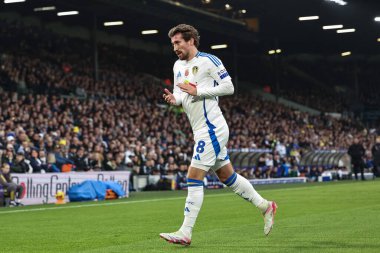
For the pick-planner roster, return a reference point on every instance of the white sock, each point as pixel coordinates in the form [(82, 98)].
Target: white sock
[(242, 187), (193, 205)]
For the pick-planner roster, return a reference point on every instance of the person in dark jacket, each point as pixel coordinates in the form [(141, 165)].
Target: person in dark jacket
[(36, 163), (13, 190), (20, 165), (81, 161), (376, 157), (72, 152), (357, 152)]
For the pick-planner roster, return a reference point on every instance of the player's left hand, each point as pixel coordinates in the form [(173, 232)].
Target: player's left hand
[(188, 88)]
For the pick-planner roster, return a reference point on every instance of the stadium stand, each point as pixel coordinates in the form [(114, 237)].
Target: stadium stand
[(55, 116), (333, 85)]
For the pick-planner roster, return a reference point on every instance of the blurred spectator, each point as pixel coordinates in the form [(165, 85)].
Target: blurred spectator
[(20, 165), (294, 171), (285, 168), (171, 166), (72, 152), (281, 149), (13, 190), (109, 163), (376, 157), (148, 168), (81, 161), (8, 155), (313, 174), (52, 163), (357, 152), (37, 164)]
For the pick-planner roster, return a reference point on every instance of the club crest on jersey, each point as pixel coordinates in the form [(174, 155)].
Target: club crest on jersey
[(187, 72), (195, 70), (179, 74)]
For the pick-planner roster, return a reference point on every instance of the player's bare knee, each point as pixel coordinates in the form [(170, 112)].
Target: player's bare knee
[(195, 173), (224, 172)]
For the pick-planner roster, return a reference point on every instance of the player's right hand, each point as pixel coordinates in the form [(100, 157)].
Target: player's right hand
[(169, 97)]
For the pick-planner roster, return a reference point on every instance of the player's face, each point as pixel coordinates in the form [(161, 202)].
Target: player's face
[(181, 47)]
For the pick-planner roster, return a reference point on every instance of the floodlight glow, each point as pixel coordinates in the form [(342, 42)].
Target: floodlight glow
[(67, 13), (13, 1), (340, 2), (346, 53), (351, 30), (271, 51), (377, 19), (278, 51), (113, 23), (329, 27), (228, 7), (149, 32), (219, 46), (308, 18), (47, 8)]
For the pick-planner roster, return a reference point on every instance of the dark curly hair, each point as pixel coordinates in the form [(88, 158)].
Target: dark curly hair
[(187, 32)]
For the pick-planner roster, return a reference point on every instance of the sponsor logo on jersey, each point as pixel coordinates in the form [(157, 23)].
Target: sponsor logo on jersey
[(195, 70), (179, 74)]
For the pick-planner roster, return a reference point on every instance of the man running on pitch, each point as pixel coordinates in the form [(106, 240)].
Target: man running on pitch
[(199, 79)]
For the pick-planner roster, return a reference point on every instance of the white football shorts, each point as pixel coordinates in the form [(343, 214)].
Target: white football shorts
[(210, 151)]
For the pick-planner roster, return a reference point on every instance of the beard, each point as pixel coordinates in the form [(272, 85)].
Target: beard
[(183, 56)]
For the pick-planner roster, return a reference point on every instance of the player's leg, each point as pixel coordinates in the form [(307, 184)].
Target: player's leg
[(11, 189), (19, 190), (194, 199), (242, 187), (193, 205), (203, 159)]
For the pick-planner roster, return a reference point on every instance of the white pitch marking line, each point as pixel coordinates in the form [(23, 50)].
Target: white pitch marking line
[(103, 204), (133, 201)]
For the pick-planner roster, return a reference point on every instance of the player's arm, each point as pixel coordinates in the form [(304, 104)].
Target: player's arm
[(221, 76), (177, 92), (175, 97)]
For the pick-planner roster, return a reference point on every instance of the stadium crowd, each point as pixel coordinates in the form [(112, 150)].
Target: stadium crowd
[(343, 86), (54, 116)]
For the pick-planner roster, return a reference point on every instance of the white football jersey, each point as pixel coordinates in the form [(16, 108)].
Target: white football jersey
[(208, 74)]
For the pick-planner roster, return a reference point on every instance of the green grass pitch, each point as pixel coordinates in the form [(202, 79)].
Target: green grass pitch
[(326, 217)]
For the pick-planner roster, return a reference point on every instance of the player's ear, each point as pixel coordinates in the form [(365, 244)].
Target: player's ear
[(191, 42)]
